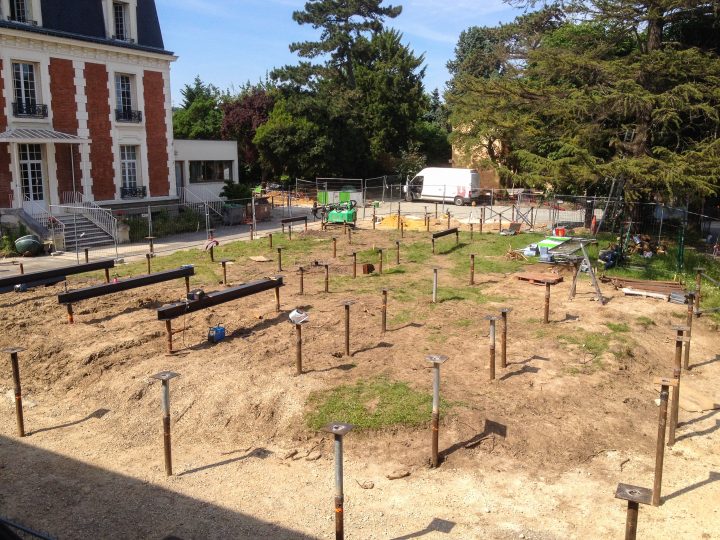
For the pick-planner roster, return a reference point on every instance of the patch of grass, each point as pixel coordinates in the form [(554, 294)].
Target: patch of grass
[(618, 327), (592, 342), (370, 404), (463, 323), (679, 315), (470, 294), (402, 317), (645, 322)]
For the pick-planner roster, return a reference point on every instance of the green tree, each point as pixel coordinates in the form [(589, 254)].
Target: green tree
[(342, 22), (606, 97), (200, 116)]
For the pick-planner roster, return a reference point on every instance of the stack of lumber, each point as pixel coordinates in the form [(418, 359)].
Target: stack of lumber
[(644, 287)]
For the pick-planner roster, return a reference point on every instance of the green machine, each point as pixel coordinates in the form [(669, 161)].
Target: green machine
[(343, 212)]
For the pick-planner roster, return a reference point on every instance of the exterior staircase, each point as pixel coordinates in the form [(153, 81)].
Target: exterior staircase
[(80, 229)]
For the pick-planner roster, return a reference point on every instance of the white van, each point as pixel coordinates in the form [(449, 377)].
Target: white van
[(444, 184)]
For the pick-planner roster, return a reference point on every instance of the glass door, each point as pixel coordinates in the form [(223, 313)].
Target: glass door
[(31, 172)]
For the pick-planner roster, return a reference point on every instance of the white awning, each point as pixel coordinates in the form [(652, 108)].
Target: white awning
[(39, 136)]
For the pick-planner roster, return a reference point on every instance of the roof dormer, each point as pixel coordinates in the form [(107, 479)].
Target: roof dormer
[(22, 11), (121, 20)]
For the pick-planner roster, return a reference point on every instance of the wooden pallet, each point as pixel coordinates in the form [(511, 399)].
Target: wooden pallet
[(540, 279)]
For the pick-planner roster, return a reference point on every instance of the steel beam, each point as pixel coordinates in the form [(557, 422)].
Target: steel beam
[(172, 311), (32, 277), (124, 285)]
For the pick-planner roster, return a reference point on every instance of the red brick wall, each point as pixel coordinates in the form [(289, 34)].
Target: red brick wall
[(101, 151), (5, 179), (64, 108), (156, 131)]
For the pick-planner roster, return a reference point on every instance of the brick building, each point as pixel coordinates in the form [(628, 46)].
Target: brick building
[(85, 105)]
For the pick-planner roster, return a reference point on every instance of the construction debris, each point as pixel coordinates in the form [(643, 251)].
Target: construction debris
[(646, 288)]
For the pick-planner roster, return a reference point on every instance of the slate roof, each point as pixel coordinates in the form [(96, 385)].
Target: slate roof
[(83, 20)]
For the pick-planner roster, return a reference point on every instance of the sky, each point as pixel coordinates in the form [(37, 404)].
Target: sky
[(230, 42)]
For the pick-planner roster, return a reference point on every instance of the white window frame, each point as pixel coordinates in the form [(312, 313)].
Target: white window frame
[(129, 167), (130, 12), (27, 94), (120, 104), (33, 12)]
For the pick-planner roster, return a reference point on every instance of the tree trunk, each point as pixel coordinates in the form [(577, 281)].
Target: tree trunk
[(655, 27)]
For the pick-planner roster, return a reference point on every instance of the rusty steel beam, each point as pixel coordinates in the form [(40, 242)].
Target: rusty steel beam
[(172, 311)]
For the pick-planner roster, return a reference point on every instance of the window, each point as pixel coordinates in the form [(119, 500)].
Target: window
[(120, 21), (31, 171), (124, 112), (20, 11), (210, 171), (24, 91), (128, 165)]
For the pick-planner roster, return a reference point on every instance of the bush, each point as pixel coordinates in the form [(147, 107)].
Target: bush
[(164, 224), (7, 242)]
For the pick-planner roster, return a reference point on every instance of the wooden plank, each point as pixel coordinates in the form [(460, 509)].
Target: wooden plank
[(645, 294), (552, 279)]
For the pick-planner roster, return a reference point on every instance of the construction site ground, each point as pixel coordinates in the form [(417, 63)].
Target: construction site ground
[(535, 454)]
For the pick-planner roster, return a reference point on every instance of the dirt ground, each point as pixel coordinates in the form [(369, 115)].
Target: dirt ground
[(535, 454)]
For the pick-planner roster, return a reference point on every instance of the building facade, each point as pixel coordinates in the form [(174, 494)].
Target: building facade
[(85, 103)]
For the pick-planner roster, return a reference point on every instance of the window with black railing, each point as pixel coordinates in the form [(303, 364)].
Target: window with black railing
[(134, 192), (29, 110), (25, 93), (128, 115)]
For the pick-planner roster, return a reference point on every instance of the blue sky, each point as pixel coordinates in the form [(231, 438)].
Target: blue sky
[(230, 42)]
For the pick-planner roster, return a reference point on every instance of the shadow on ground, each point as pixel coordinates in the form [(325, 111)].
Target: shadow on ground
[(70, 499)]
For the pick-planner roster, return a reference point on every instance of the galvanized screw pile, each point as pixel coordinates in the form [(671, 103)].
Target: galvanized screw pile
[(435, 285), (690, 302), (279, 251), (334, 242), (436, 360), (660, 447), (298, 349), (165, 377), (147, 257), (380, 269), (546, 318), (13, 352), (252, 232), (384, 310), (354, 256), (212, 254), (373, 218), (503, 337), (397, 252), (472, 269), (492, 320), (327, 278), (302, 280), (338, 430), (675, 410), (270, 240), (349, 235)]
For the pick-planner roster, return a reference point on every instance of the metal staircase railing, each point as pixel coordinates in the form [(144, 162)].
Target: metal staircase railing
[(75, 202), (54, 227)]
